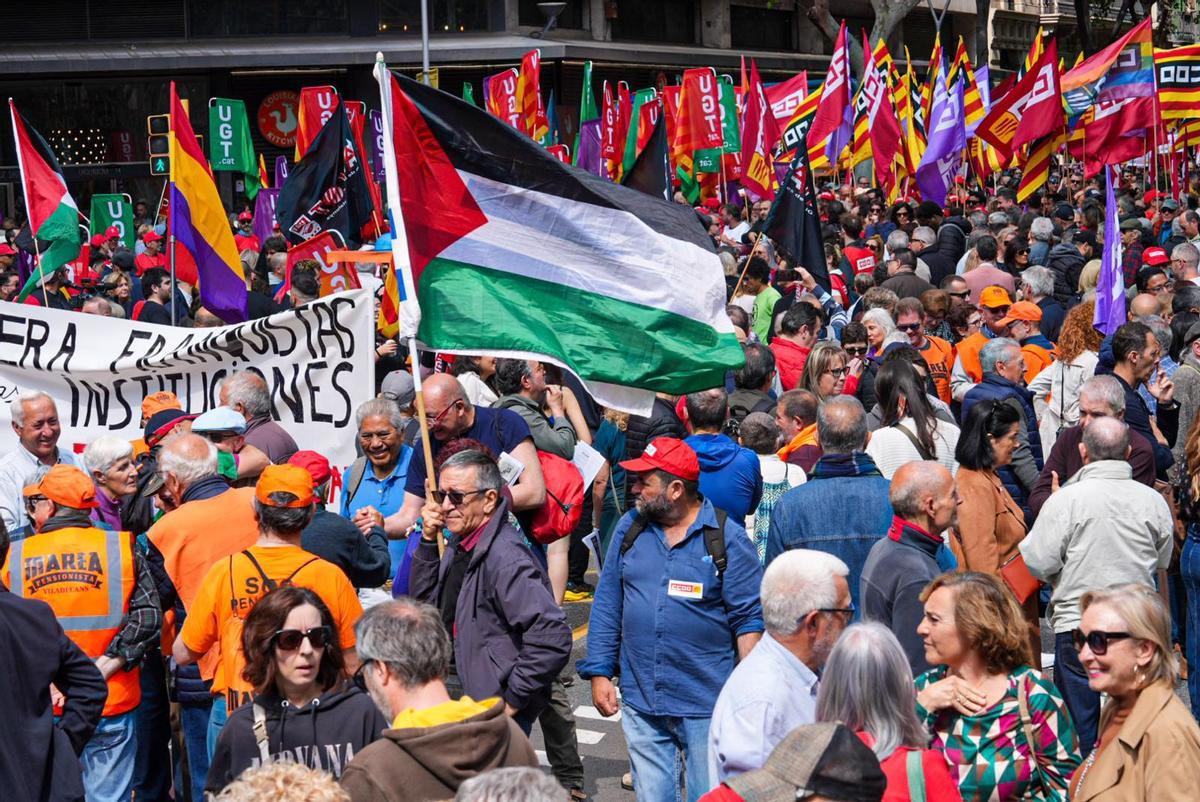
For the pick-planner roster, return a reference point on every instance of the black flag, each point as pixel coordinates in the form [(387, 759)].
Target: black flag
[(327, 189), (651, 172), (793, 223)]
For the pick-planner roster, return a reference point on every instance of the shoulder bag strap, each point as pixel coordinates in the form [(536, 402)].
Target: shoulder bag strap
[(912, 438), (260, 733), (1027, 724), (916, 776), (357, 471)]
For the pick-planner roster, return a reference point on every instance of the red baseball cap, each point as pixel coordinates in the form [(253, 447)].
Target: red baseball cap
[(668, 454), (1155, 257), (152, 236), (245, 216), (97, 240), (112, 232), (314, 463)]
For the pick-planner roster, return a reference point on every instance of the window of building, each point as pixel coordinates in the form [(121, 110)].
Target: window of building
[(571, 17), (446, 16), (224, 18), (653, 20), (762, 28)]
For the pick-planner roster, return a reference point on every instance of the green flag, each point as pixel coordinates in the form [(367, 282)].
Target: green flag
[(709, 160), (587, 109), (469, 94), (230, 148), (113, 210)]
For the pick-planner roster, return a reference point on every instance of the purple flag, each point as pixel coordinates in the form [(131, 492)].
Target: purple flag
[(264, 213), (375, 145), (947, 138), (589, 148), (1110, 289), (281, 171)]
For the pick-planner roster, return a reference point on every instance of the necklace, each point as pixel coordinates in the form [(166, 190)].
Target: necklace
[(1087, 765)]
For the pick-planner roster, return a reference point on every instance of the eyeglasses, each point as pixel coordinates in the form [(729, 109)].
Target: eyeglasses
[(837, 373), (456, 498), (32, 502), (436, 419), (964, 295), (846, 611), (289, 640), (998, 311), (1096, 640), (908, 326), (855, 350), (359, 679)]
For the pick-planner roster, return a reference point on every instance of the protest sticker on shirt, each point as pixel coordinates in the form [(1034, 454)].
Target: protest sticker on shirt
[(316, 361), (685, 590)]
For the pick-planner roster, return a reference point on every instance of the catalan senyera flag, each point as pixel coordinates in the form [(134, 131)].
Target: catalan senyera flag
[(931, 75), (534, 121), (263, 177), (1177, 73), (199, 224), (973, 106), (1036, 169), (53, 215), (388, 322)]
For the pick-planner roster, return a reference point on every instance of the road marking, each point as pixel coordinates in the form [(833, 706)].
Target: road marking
[(542, 759), (588, 711), (589, 737), (579, 632)]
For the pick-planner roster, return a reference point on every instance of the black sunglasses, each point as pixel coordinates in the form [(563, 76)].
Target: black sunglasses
[(289, 640), (1096, 640), (963, 294), (856, 350), (1023, 252), (908, 326), (456, 498)]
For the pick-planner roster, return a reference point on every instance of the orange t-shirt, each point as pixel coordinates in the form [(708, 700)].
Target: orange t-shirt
[(939, 356), (231, 589), (1037, 358)]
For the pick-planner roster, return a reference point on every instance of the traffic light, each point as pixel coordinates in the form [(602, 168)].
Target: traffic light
[(158, 144)]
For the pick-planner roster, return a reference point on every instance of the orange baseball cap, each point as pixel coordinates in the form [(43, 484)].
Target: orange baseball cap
[(65, 485), (157, 402), (1021, 310), (285, 478), (994, 296)]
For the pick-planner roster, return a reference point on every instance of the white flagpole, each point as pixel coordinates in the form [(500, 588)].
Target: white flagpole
[(410, 311)]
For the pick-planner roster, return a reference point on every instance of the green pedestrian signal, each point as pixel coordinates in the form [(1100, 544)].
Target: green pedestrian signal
[(160, 165)]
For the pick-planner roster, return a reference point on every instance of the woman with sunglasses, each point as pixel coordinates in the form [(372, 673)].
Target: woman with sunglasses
[(1003, 728), (1016, 256), (309, 712), (902, 216), (1149, 747)]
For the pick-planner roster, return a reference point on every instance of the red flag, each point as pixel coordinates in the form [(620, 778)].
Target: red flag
[(882, 125), (787, 96), (834, 114), (500, 97), (610, 125), (760, 134), (317, 105), (529, 96), (699, 122), (1032, 110)]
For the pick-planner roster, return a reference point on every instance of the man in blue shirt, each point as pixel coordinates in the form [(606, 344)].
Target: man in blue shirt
[(670, 622)]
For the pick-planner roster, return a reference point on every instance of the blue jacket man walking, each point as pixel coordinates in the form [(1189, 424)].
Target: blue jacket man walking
[(730, 476)]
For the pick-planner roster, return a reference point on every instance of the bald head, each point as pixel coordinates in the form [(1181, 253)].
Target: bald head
[(446, 407), (96, 306), (185, 459), (842, 425), (1143, 304), (441, 390), (1105, 439), (923, 493)]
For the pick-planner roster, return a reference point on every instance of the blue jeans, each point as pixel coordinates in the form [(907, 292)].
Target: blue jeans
[(1072, 682), (194, 721), (216, 723), (152, 767), (1189, 567), (666, 752), (108, 759)]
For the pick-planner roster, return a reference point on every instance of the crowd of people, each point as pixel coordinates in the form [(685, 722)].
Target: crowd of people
[(937, 538)]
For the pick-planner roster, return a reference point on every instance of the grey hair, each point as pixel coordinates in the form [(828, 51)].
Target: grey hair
[(867, 685), (910, 487), (408, 637), (249, 390), (897, 240), (487, 474), (1107, 389), (1041, 229), (796, 583), (512, 784), (842, 425), (925, 234), (759, 433), (1106, 438), (996, 350), (1187, 252), (1039, 279), (17, 407), (881, 318), (381, 407), (188, 470), (1161, 329), (105, 451), (282, 520)]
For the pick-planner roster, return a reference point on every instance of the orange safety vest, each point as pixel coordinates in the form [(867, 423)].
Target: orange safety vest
[(86, 575)]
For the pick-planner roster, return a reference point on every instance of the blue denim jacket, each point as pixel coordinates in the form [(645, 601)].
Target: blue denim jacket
[(672, 650), (840, 515)]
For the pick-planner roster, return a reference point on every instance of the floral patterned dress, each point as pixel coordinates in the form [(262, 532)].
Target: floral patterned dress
[(989, 753)]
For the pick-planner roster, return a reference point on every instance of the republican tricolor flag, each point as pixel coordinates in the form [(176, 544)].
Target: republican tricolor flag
[(511, 252), (53, 215)]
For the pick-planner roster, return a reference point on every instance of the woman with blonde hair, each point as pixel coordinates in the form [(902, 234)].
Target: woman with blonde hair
[(1056, 389), (825, 372), (1089, 277), (1003, 727), (1149, 746)]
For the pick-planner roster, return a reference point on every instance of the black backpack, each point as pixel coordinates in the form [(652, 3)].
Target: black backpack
[(714, 540)]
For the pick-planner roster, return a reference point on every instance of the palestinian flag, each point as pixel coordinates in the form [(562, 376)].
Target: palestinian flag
[(53, 216), (513, 252)]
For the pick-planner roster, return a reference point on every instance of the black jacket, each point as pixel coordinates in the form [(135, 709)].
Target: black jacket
[(326, 734), (1066, 263), (39, 758), (1053, 315), (942, 257), (896, 572), (365, 560)]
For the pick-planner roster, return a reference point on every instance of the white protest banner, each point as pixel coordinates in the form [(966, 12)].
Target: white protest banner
[(317, 361)]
